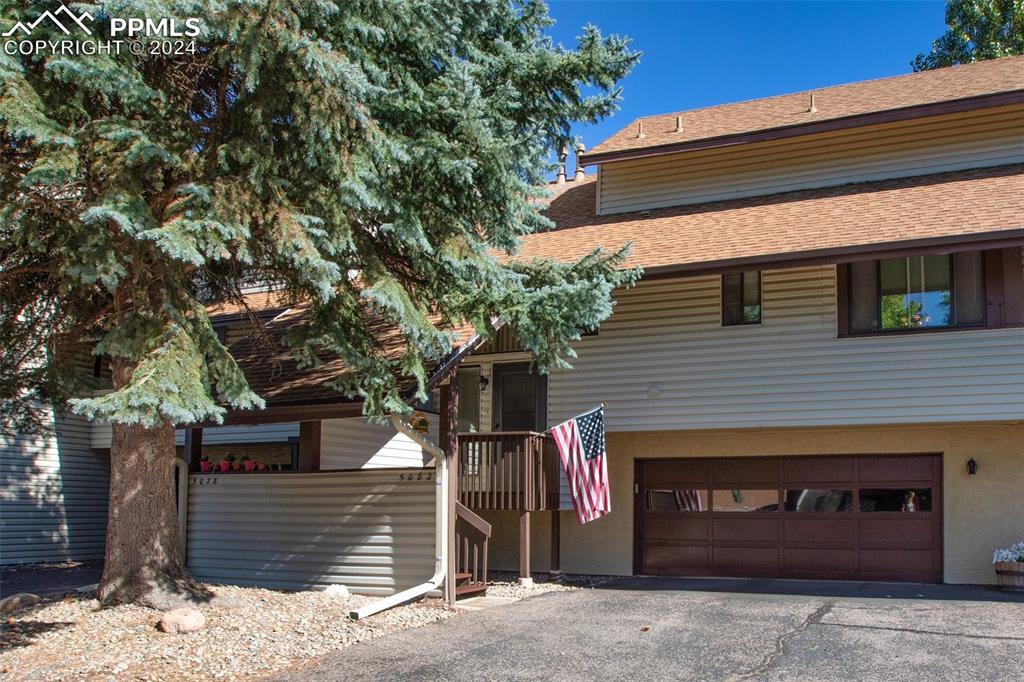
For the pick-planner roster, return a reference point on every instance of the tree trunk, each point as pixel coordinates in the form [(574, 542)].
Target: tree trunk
[(143, 561)]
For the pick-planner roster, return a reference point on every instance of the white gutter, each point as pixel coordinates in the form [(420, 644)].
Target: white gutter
[(440, 530)]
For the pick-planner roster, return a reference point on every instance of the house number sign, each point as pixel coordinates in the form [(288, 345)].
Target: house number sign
[(421, 476), (203, 480)]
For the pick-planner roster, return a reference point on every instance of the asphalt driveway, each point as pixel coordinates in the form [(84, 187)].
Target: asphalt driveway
[(708, 630)]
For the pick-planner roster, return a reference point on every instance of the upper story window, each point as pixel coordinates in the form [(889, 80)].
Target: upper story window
[(741, 298), (916, 292)]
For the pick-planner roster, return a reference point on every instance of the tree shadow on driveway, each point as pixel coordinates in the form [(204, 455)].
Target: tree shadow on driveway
[(817, 588)]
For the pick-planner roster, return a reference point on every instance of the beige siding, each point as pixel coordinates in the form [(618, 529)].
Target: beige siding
[(372, 531), (261, 433), (359, 444), (53, 496), (981, 138), (663, 361)]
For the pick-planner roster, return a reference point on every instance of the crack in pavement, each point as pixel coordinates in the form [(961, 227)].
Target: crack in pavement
[(916, 631), (772, 659)]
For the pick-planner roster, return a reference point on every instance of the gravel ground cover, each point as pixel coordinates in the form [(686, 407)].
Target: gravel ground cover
[(249, 633)]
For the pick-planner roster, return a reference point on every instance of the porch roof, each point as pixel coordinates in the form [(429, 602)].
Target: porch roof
[(981, 207), (294, 393)]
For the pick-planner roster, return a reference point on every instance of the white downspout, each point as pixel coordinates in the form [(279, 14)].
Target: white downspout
[(440, 530)]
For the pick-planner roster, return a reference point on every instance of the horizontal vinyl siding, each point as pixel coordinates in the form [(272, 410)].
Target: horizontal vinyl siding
[(665, 337), (261, 433), (53, 497), (971, 140), (358, 444), (372, 531)]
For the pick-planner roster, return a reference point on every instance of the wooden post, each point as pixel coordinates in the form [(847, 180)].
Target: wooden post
[(449, 394), (309, 446), (193, 447), (524, 549), (555, 568)]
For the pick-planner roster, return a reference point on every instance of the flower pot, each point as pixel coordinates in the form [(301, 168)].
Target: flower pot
[(224, 465), (1010, 575), (206, 467), (261, 467), (236, 466), (250, 465)]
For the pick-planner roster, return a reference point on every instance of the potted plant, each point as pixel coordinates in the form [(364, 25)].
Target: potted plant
[(205, 465), (227, 463), (419, 422), (1009, 565), (261, 466), (248, 462)]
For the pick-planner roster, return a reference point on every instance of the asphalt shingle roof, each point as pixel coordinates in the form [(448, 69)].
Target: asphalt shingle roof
[(939, 206), (839, 101)]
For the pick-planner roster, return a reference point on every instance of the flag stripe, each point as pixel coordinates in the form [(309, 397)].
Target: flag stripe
[(580, 442)]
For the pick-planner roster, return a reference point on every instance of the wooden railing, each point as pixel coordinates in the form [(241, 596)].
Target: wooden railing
[(472, 535), (508, 470)]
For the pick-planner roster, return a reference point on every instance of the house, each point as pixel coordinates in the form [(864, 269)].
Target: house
[(820, 375)]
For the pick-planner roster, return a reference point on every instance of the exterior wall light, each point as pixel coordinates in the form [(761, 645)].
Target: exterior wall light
[(972, 467), (483, 382)]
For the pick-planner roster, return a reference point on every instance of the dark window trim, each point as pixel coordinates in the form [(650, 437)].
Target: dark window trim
[(760, 299), (1002, 287)]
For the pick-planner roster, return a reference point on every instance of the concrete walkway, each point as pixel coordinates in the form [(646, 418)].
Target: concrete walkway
[(654, 629)]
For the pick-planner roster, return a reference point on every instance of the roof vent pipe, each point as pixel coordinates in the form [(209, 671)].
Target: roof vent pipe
[(640, 129), (813, 109), (580, 148), (560, 179), (679, 124)]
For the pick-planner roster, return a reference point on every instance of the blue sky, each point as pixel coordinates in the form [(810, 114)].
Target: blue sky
[(698, 54)]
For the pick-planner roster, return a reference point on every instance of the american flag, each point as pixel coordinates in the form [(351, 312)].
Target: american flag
[(581, 443)]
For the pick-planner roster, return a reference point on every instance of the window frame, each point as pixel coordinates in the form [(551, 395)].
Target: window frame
[(760, 298), (989, 282)]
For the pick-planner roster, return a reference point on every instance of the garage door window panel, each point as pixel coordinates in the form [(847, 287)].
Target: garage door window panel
[(818, 500), (677, 500), (896, 500), (745, 500)]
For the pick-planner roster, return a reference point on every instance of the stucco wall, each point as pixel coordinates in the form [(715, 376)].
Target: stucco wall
[(980, 512)]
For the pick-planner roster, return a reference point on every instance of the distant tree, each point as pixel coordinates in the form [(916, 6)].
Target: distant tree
[(978, 30), (302, 142)]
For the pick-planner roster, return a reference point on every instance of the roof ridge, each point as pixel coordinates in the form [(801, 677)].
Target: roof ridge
[(824, 88)]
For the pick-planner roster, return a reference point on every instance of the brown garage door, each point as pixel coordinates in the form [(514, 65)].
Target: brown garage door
[(865, 517)]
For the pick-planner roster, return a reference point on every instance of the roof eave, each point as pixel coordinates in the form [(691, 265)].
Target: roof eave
[(800, 129), (980, 241)]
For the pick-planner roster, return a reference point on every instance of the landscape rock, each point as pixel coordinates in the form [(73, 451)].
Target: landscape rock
[(339, 591), (182, 620), (17, 602)]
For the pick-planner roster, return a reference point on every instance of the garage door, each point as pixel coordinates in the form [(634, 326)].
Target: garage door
[(844, 518)]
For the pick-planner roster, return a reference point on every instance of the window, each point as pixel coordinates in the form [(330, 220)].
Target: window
[(896, 500), (749, 500), (678, 499), (741, 298), (818, 500), (469, 399), (918, 292)]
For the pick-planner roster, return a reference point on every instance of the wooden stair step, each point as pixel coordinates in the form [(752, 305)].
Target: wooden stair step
[(463, 576), (472, 588)]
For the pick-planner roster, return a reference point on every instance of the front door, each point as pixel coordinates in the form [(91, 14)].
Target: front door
[(520, 398)]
